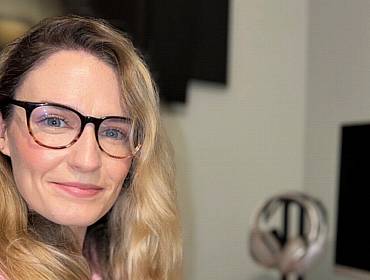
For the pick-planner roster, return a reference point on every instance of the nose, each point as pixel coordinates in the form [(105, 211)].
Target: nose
[(85, 154)]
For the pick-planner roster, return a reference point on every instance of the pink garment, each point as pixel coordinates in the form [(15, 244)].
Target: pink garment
[(94, 276)]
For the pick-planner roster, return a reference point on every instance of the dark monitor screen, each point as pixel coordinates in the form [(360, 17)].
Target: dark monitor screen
[(353, 231)]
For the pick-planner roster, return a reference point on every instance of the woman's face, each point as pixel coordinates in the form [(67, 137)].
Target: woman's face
[(77, 185)]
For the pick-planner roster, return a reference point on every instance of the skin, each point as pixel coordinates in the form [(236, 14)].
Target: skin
[(81, 81)]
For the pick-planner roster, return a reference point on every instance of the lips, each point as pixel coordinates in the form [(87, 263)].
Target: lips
[(78, 190)]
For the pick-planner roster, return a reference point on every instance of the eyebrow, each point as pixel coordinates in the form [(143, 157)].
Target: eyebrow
[(72, 107)]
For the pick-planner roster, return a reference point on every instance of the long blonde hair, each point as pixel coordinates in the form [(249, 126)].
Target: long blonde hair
[(139, 238)]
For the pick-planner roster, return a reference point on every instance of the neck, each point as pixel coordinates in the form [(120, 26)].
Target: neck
[(79, 233)]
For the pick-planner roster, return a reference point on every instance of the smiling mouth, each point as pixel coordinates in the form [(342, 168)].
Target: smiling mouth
[(77, 189)]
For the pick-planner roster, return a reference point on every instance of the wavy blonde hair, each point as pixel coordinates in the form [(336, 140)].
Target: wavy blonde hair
[(139, 238)]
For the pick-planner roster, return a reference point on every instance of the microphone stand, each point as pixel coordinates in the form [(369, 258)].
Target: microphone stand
[(285, 237)]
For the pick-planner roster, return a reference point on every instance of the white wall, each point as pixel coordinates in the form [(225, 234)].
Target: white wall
[(237, 145), (337, 92)]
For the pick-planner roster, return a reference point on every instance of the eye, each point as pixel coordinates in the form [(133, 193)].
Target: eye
[(114, 134), (54, 122)]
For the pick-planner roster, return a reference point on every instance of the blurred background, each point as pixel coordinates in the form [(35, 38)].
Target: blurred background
[(292, 72)]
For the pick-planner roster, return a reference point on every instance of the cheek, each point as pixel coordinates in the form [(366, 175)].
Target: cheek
[(29, 160), (34, 158), (118, 170)]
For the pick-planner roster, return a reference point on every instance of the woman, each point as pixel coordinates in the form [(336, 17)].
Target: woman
[(86, 179)]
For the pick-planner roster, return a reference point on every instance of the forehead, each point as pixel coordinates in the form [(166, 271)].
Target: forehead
[(76, 79)]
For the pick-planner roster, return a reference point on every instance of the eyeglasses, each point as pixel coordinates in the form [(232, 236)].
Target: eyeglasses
[(57, 126)]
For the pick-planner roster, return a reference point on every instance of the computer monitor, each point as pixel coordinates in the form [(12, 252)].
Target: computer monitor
[(352, 248)]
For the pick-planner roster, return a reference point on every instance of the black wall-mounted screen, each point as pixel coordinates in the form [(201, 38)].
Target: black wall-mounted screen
[(180, 39), (353, 231)]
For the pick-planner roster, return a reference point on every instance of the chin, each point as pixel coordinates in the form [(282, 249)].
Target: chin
[(73, 220)]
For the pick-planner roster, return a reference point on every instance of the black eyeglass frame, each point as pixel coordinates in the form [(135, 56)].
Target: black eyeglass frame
[(30, 106)]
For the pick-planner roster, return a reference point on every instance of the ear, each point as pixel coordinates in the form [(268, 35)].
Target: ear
[(4, 147)]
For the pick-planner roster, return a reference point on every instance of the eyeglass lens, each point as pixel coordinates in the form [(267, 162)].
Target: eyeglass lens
[(57, 127)]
